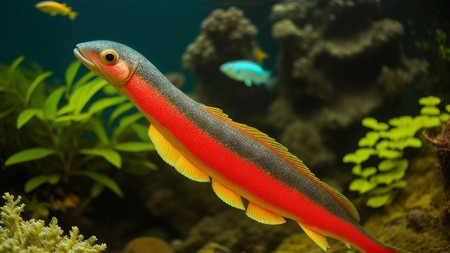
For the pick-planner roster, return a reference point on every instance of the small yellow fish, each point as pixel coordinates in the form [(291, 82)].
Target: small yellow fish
[(54, 8), (259, 55)]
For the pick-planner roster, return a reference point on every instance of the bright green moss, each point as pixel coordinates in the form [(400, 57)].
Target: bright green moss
[(379, 178)]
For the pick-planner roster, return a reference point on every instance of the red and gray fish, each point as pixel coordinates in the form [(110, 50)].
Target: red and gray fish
[(239, 161)]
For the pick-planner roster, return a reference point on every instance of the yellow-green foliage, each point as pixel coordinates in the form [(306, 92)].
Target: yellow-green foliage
[(80, 129), (384, 146), (33, 236)]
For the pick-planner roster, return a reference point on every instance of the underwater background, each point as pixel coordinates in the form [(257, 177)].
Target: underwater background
[(359, 91)]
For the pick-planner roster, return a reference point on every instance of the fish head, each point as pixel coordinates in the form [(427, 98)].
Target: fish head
[(229, 70), (112, 61), (226, 68)]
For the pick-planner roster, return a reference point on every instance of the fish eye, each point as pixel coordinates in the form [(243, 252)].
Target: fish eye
[(109, 56)]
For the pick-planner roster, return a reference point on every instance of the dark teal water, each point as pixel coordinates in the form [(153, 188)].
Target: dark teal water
[(159, 29)]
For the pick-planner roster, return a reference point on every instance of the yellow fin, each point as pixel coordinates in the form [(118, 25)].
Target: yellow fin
[(319, 239), (263, 215), (228, 196), (283, 152), (167, 152), (173, 157), (189, 170)]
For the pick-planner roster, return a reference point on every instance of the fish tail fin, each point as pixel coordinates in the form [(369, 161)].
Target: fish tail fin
[(270, 83), (73, 15)]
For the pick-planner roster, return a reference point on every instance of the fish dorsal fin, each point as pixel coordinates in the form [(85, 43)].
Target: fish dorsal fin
[(263, 215), (292, 159), (227, 195), (174, 157), (318, 238)]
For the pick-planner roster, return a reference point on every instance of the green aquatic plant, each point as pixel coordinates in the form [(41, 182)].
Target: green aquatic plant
[(81, 129), (28, 236), (443, 45), (379, 161)]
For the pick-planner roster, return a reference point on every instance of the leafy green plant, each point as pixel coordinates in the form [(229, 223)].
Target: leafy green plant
[(379, 161), (443, 45), (81, 129), (29, 236)]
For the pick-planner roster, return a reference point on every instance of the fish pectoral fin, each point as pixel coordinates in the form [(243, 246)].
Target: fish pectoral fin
[(167, 152), (318, 238), (248, 83), (227, 195), (263, 215), (174, 157), (189, 170)]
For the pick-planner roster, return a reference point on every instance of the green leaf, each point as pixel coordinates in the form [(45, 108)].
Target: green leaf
[(35, 83), (389, 164), (96, 189), (390, 176), (357, 169), (447, 108), (85, 93), (361, 185), (65, 109), (150, 165), (410, 142), (444, 117), (79, 117), (121, 109), (14, 65), (141, 131), (430, 110), (51, 103), (367, 172), (134, 146), (108, 154), (110, 90), (389, 154), (380, 200), (372, 123), (83, 80), (125, 122), (99, 129), (388, 188), (359, 155), (104, 103), (6, 112), (429, 101), (71, 72), (395, 134), (402, 121), (103, 180), (27, 155), (25, 116), (369, 140), (37, 181)]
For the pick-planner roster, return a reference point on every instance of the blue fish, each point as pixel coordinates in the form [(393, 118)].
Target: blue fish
[(246, 71)]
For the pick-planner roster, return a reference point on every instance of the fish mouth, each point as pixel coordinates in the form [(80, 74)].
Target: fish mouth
[(78, 52)]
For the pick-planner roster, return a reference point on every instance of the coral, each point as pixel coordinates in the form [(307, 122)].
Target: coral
[(18, 235), (387, 142), (225, 35), (336, 51)]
